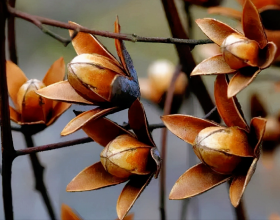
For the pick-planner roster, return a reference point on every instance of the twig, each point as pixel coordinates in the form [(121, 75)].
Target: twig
[(38, 171), (186, 59), (240, 211), (38, 21), (11, 35), (8, 151), (166, 111)]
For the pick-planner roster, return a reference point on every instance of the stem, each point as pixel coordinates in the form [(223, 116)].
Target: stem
[(12, 35), (8, 151), (240, 211), (166, 111), (38, 21), (186, 58), (38, 171)]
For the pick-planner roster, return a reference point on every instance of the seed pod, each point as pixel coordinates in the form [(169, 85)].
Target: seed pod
[(239, 51), (32, 106), (213, 146), (91, 76), (125, 155)]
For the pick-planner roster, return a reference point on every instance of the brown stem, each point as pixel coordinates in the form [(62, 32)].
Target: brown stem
[(38, 21), (166, 111), (12, 35), (38, 171), (8, 151), (186, 58), (240, 211)]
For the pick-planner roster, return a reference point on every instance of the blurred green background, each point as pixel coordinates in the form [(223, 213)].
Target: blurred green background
[(37, 51)]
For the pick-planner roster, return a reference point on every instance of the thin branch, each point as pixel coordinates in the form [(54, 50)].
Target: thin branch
[(8, 151), (186, 58), (38, 171), (166, 111), (38, 21), (12, 35)]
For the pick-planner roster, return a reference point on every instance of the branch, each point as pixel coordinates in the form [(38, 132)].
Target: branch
[(12, 35), (38, 21)]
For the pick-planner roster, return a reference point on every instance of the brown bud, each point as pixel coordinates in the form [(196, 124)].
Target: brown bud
[(214, 146), (32, 106), (91, 76), (125, 155), (239, 51)]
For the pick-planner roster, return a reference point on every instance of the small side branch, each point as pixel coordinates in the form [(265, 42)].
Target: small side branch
[(12, 35)]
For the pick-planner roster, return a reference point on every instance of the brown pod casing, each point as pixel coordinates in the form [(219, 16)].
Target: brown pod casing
[(125, 156), (32, 106), (213, 146)]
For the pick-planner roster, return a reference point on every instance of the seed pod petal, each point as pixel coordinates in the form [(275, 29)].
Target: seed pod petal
[(239, 184), (268, 55), (14, 115), (62, 91), (55, 73), (87, 43), (196, 180), (212, 65), (58, 110), (252, 25), (93, 177), (228, 108), (186, 127), (68, 214), (104, 131), (15, 79), (79, 121), (217, 31), (257, 107), (130, 193), (257, 130), (241, 80)]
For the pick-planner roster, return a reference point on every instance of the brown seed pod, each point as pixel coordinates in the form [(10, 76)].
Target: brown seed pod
[(125, 156)]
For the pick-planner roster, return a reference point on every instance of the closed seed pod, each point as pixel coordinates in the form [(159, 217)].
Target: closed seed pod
[(125, 156), (32, 106), (213, 147)]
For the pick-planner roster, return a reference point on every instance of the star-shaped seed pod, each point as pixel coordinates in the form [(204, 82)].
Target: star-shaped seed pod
[(242, 55), (227, 153), (154, 88), (126, 156), (29, 107), (96, 77), (69, 214), (271, 138)]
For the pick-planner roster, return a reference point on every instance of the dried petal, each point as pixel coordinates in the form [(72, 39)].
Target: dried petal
[(62, 91), (68, 214), (252, 25), (79, 121), (268, 55), (212, 65), (217, 31), (103, 131), (58, 110), (257, 130), (228, 107), (55, 73), (93, 177), (15, 79), (239, 184), (257, 108), (186, 127), (241, 80), (130, 193), (196, 180), (14, 115)]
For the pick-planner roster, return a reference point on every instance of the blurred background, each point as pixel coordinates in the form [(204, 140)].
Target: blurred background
[(37, 51)]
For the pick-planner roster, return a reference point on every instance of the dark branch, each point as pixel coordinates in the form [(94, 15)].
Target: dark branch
[(12, 35), (38, 21)]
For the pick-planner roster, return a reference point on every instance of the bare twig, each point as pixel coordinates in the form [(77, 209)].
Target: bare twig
[(11, 35), (8, 151), (38, 171), (166, 111), (38, 21)]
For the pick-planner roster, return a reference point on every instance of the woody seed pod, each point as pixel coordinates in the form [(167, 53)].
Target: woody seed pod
[(125, 155), (213, 146), (239, 51), (32, 106)]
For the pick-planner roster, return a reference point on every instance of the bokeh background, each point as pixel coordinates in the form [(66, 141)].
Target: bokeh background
[(37, 51)]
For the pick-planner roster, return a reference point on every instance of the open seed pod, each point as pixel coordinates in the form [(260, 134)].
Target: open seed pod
[(29, 107), (96, 77), (244, 55), (127, 156), (227, 153)]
